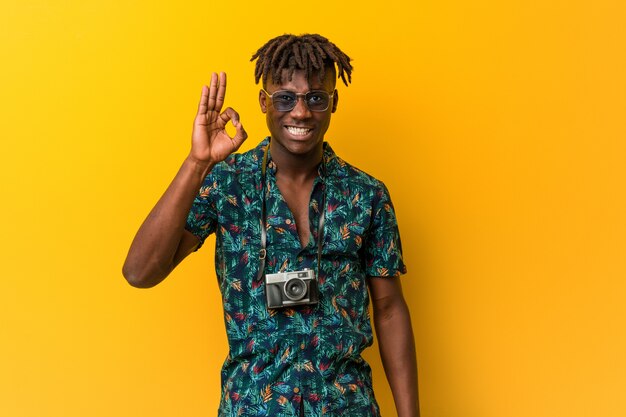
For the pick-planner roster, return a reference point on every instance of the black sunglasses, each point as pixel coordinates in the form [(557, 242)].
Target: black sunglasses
[(285, 100)]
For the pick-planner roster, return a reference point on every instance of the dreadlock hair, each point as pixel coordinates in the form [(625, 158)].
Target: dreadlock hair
[(311, 53)]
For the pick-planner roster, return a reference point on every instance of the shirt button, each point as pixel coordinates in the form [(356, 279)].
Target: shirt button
[(296, 390), (288, 221)]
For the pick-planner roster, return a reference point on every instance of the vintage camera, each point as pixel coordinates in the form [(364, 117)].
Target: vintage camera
[(287, 289)]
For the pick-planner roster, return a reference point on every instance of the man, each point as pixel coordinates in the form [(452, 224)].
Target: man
[(288, 208)]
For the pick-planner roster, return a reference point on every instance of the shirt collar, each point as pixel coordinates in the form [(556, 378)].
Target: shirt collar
[(331, 163)]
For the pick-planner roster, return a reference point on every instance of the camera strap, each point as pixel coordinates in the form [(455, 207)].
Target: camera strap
[(320, 226)]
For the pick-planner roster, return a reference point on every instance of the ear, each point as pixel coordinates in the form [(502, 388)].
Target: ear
[(263, 101), (335, 101)]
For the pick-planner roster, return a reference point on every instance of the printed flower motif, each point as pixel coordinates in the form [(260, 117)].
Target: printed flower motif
[(266, 394), (232, 200)]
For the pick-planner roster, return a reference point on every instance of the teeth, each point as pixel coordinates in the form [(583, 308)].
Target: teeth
[(298, 131)]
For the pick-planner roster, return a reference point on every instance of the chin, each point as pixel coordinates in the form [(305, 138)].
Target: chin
[(297, 145), (301, 148)]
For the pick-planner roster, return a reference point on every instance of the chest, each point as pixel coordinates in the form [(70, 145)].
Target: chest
[(292, 219), (297, 197)]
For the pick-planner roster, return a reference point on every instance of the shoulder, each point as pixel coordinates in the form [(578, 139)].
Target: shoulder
[(237, 174), (349, 177), (238, 164)]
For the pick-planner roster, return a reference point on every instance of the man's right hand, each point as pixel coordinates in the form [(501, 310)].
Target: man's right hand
[(210, 143), (162, 241)]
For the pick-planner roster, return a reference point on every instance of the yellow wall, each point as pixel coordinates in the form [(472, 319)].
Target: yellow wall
[(498, 126)]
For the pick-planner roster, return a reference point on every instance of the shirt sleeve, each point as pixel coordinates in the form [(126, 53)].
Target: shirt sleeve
[(383, 248), (202, 218)]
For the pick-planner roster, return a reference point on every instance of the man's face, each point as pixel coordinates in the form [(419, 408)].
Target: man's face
[(299, 131)]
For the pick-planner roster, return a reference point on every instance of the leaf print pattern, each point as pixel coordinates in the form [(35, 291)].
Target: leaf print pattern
[(306, 357)]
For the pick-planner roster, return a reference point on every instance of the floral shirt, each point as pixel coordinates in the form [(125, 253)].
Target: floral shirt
[(304, 360)]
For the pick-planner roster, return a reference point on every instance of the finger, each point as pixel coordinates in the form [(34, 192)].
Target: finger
[(212, 92), (240, 135), (221, 92), (204, 98), (230, 114)]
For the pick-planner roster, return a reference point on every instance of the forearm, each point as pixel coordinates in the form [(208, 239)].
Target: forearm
[(151, 256), (397, 350)]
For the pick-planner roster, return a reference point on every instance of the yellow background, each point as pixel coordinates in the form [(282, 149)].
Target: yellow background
[(498, 126)]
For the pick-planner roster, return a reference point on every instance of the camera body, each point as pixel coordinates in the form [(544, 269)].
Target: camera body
[(287, 289)]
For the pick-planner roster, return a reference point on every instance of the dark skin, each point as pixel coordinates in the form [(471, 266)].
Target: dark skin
[(162, 242), (297, 156), (296, 147), (396, 345), (296, 195)]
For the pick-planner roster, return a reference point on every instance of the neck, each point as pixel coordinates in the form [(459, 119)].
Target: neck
[(296, 167)]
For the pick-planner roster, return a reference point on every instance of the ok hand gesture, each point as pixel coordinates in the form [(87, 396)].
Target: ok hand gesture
[(210, 143)]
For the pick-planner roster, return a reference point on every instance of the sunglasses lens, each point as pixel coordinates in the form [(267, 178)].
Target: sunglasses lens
[(284, 100), (317, 100)]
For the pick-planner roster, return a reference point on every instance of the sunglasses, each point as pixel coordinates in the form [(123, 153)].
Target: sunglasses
[(285, 100)]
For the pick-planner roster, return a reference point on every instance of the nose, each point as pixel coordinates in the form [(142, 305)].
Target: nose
[(301, 110)]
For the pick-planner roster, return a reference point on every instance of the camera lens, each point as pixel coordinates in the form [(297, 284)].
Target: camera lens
[(295, 289)]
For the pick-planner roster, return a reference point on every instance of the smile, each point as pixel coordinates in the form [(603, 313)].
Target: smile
[(298, 131)]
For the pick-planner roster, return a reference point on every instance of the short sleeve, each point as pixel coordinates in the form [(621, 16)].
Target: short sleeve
[(202, 218), (383, 248)]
